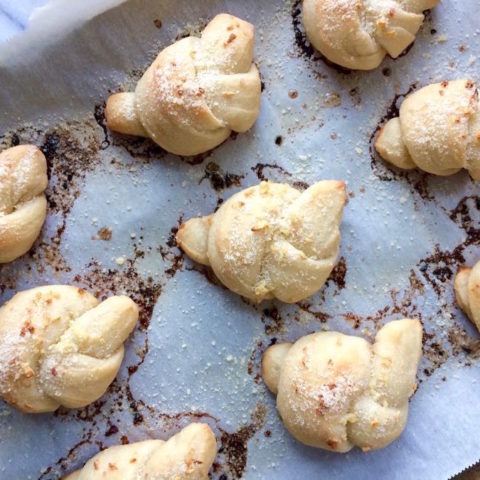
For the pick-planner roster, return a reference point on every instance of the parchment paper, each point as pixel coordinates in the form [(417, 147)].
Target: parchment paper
[(403, 236)]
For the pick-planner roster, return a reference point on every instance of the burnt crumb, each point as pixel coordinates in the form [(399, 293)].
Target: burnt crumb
[(293, 94), (278, 140), (467, 215), (112, 430), (463, 343), (300, 185), (197, 159), (99, 115), (260, 167), (301, 41), (304, 47), (219, 180), (137, 418), (15, 140), (339, 273), (219, 203), (433, 31), (355, 96), (172, 254), (254, 362), (386, 71), (272, 320), (157, 22), (262, 86), (439, 267)]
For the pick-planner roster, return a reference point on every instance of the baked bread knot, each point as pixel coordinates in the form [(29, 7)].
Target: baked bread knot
[(438, 130), (336, 391), (60, 347), (188, 455), (467, 292), (358, 34), (271, 240), (23, 206), (196, 92)]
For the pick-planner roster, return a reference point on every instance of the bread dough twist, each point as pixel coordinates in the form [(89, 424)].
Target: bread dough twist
[(467, 292), (438, 130), (336, 391), (196, 91), (188, 455), (358, 34), (271, 240), (23, 206), (59, 346)]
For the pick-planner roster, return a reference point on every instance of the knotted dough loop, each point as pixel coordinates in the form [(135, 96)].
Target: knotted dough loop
[(336, 391), (196, 91), (438, 130), (271, 240), (357, 34), (467, 292), (23, 206), (188, 455), (59, 346)]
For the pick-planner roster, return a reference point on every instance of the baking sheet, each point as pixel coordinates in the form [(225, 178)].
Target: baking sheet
[(198, 357)]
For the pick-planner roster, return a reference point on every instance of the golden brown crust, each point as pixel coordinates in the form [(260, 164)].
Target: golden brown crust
[(336, 391), (195, 92), (438, 130), (23, 205), (467, 292), (357, 34), (188, 455), (271, 240), (59, 346)]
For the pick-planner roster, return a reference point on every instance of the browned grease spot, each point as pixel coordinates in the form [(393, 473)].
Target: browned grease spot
[(71, 455), (234, 446), (72, 151), (105, 234), (127, 281)]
